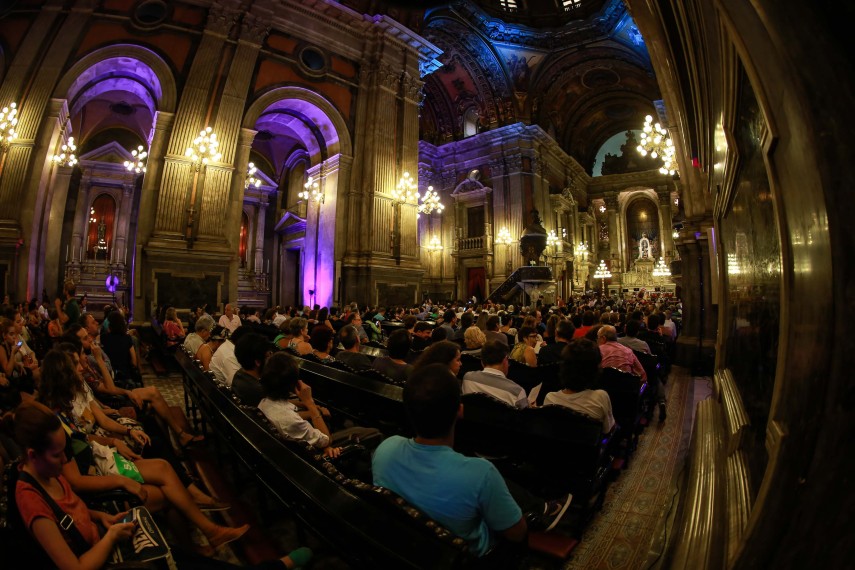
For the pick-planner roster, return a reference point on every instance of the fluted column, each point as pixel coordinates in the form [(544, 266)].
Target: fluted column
[(124, 211), (665, 228), (215, 195), (616, 264), (190, 118), (53, 255), (235, 206), (81, 217)]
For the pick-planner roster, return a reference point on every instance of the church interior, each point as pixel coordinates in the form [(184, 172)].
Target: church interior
[(272, 154)]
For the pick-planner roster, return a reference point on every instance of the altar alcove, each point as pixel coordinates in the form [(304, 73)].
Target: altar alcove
[(644, 244)]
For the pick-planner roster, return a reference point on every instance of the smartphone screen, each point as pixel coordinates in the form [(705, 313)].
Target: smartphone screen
[(19, 343), (129, 518)]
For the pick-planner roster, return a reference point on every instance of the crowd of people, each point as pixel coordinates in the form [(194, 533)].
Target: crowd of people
[(59, 362)]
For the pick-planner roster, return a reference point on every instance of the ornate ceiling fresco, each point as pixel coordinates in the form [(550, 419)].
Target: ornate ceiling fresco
[(582, 81)]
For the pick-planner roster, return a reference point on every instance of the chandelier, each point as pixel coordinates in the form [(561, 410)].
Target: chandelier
[(656, 142), (430, 203), (312, 191), (251, 180), (204, 149), (552, 239), (661, 270), (137, 164), (66, 155), (582, 250), (602, 271), (8, 122), (504, 237), (405, 192), (434, 244)]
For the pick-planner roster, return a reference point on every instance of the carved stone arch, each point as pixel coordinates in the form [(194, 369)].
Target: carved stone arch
[(165, 90), (324, 115)]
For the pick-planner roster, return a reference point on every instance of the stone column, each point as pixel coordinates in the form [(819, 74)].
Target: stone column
[(81, 216), (215, 195), (234, 208), (53, 256), (615, 263), (147, 215), (172, 206), (124, 210), (665, 227)]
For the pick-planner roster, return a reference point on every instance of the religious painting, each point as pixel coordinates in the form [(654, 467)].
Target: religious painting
[(752, 250), (642, 225), (521, 65)]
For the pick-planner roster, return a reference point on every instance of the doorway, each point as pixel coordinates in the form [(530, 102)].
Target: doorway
[(291, 277), (476, 283)]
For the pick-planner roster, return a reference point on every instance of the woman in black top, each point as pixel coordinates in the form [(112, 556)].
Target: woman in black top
[(120, 348)]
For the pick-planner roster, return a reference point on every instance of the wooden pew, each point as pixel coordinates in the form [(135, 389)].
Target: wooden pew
[(382, 532)]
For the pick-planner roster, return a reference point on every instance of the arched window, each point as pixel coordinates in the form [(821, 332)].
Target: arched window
[(99, 236), (244, 238), (470, 122)]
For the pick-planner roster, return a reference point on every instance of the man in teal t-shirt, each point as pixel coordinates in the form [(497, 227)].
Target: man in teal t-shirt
[(465, 494)]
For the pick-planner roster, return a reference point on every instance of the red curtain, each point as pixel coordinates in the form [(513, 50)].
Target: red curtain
[(244, 233), (476, 283), (103, 208)]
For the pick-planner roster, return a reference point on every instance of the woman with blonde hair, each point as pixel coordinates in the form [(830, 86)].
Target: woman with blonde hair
[(474, 339)]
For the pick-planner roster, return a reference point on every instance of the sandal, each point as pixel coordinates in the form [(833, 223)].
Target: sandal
[(195, 439)]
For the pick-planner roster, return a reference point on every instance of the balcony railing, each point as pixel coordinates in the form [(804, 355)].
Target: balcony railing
[(471, 243)]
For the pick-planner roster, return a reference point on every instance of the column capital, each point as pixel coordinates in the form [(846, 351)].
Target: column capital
[(611, 202), (254, 28), (222, 17)]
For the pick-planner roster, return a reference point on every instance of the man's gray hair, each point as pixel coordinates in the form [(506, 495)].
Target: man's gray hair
[(204, 323)]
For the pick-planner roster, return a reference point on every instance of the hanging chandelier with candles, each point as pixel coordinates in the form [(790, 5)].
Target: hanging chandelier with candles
[(429, 202), (656, 142), (204, 149), (137, 163), (251, 180), (312, 191), (8, 122), (602, 271), (661, 270), (405, 192), (66, 156)]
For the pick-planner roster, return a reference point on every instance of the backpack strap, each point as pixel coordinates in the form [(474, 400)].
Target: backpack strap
[(78, 544)]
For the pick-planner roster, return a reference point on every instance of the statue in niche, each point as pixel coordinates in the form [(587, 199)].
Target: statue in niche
[(102, 236), (644, 247)]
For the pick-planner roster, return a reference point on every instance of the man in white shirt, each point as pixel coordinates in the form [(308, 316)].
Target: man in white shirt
[(224, 363), (229, 320), (493, 379)]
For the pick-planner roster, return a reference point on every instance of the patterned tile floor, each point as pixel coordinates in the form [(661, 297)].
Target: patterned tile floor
[(628, 533)]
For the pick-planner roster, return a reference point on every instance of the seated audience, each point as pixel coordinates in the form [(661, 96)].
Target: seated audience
[(449, 319), (523, 351), (224, 364), (473, 340), (299, 329), (562, 335), (173, 329), (206, 352), (467, 495), (443, 352), (421, 335), (69, 397), (580, 368), (40, 434), (322, 342), (493, 332), (588, 320), (202, 330), (351, 356), (355, 319), (281, 379), (631, 339), (120, 348), (283, 339), (229, 320), (251, 351), (395, 365), (616, 355), (493, 379)]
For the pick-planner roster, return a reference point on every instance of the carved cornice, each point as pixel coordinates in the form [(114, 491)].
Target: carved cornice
[(254, 28), (222, 17)]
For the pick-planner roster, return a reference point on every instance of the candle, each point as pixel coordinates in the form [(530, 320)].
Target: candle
[(66, 254), (268, 266)]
